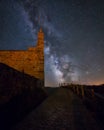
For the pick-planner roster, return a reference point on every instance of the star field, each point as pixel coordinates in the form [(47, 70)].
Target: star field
[(74, 36)]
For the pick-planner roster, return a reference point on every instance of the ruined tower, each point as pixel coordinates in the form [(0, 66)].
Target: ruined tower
[(40, 48), (29, 61)]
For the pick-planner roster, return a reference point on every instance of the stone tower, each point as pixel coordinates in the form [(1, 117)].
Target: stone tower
[(40, 48)]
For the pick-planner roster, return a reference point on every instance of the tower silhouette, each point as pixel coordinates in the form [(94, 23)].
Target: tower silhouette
[(40, 48)]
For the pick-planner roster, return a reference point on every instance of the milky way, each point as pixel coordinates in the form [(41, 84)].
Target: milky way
[(74, 41)]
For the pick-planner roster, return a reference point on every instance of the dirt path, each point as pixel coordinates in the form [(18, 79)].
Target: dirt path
[(61, 111)]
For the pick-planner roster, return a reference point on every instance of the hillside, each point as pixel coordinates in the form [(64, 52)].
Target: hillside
[(19, 94)]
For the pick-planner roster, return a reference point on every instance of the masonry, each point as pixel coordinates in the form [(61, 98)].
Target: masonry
[(30, 61)]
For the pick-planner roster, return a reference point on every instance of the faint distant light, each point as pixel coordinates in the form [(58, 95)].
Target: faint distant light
[(47, 50), (87, 72), (74, 77), (59, 75), (65, 66)]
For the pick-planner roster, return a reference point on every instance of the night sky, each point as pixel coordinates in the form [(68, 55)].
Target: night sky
[(74, 36)]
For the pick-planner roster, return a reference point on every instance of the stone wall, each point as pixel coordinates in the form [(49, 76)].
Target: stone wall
[(29, 61)]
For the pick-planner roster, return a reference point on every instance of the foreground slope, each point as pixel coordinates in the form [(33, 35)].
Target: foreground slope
[(19, 94)]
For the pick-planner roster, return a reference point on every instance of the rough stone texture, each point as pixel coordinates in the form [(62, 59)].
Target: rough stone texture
[(29, 61), (61, 111)]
